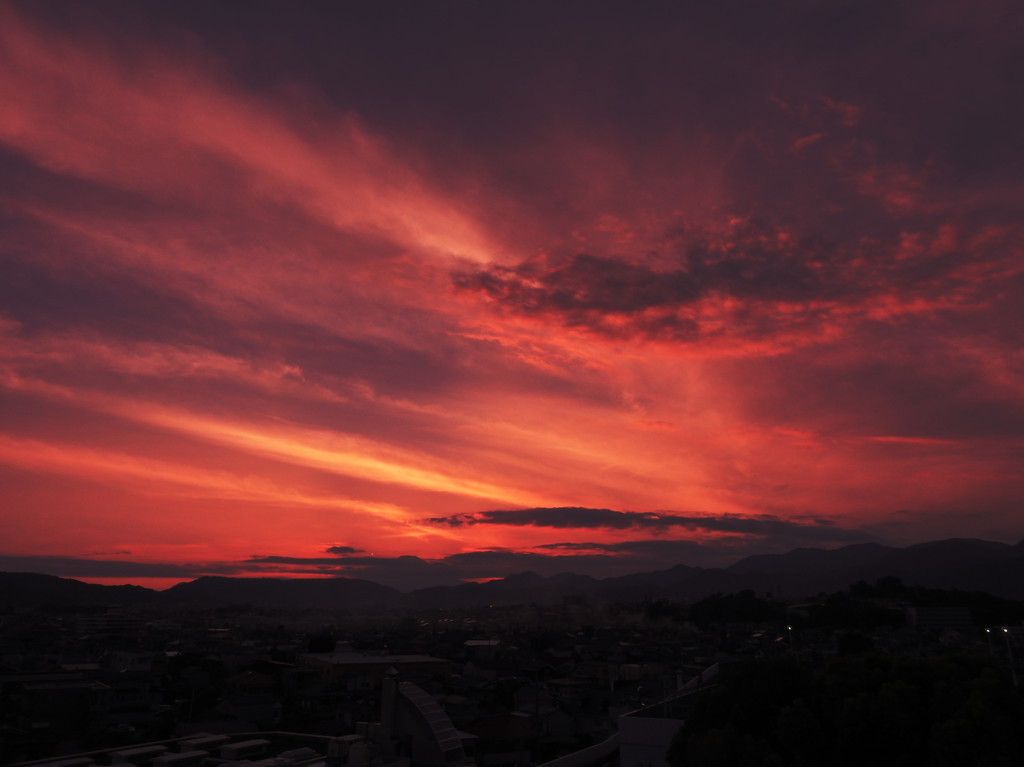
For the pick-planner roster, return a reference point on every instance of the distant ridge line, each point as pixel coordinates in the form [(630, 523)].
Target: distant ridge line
[(957, 563)]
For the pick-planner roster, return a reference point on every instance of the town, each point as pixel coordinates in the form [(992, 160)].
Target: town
[(576, 684)]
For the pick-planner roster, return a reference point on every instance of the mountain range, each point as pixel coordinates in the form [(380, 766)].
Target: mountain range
[(966, 564)]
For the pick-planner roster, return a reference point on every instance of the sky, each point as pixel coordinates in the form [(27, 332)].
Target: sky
[(434, 292)]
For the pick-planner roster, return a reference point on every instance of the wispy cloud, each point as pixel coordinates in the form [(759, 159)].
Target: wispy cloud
[(188, 123)]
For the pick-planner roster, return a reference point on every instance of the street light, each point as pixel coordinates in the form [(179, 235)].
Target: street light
[(1009, 650)]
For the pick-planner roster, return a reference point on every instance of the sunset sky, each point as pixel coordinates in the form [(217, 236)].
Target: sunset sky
[(424, 292)]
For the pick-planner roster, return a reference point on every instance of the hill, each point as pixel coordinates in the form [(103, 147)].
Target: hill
[(35, 589), (959, 563), (284, 592)]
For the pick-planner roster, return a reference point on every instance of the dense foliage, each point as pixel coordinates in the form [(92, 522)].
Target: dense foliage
[(987, 610), (742, 607), (860, 709)]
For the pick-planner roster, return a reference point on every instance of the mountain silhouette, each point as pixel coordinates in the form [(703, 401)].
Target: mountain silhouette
[(284, 592), (18, 589), (957, 563)]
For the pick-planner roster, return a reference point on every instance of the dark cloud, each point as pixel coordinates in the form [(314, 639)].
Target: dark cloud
[(77, 567), (572, 546), (762, 280), (563, 517), (344, 550), (607, 519), (323, 562), (751, 260), (597, 292)]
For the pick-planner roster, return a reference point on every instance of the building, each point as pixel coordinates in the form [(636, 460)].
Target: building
[(357, 671)]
